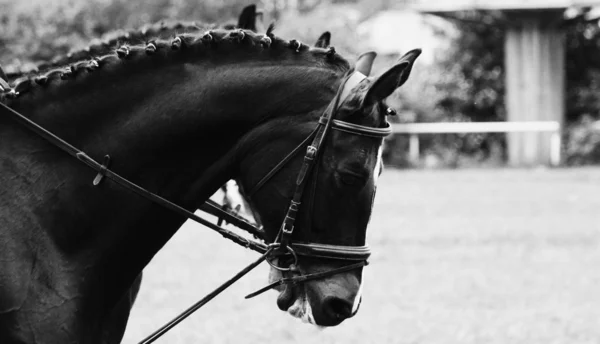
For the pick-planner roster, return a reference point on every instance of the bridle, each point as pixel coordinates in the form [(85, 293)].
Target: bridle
[(283, 244)]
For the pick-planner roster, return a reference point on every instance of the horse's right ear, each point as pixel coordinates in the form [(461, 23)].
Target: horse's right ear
[(364, 63), (393, 78), (247, 19), (324, 40), (2, 74)]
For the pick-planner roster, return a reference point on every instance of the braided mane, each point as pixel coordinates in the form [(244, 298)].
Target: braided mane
[(113, 39), (187, 44)]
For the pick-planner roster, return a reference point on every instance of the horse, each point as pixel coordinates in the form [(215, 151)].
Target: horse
[(248, 19), (72, 248)]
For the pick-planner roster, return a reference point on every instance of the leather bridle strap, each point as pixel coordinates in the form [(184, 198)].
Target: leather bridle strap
[(165, 328), (287, 227), (211, 207), (281, 163), (337, 252), (358, 129), (295, 280)]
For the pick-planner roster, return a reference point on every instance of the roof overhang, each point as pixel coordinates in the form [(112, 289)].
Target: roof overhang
[(433, 6)]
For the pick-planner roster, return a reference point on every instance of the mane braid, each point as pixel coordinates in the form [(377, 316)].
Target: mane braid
[(187, 43), (113, 39)]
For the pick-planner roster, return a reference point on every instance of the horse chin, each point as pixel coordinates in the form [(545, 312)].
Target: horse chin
[(293, 299)]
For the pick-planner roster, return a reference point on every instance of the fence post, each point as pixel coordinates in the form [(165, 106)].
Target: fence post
[(413, 148), (555, 147)]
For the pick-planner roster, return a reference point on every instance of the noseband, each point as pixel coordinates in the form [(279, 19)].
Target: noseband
[(283, 245)]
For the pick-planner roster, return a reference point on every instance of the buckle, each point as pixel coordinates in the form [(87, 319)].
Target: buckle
[(285, 229), (311, 151)]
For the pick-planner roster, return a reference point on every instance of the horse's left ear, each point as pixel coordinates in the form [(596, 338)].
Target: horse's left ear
[(2, 75), (393, 78), (324, 40), (247, 19)]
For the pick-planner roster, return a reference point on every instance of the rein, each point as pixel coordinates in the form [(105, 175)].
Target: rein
[(283, 245)]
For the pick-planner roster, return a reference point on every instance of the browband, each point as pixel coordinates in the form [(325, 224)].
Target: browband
[(358, 129)]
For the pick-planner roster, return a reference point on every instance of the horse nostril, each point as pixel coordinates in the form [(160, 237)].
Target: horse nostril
[(337, 309)]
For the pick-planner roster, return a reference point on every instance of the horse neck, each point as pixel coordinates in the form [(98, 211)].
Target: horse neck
[(168, 131)]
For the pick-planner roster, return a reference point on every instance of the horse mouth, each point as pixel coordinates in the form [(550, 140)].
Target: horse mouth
[(315, 304), (300, 308), (293, 299)]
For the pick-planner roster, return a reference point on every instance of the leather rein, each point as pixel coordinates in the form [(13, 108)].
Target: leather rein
[(283, 245)]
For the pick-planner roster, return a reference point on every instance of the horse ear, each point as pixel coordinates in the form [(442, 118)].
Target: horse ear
[(393, 78), (364, 63), (2, 75), (324, 40), (247, 19)]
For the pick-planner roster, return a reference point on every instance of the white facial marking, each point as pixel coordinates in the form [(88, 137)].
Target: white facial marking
[(378, 165), (376, 172), (359, 294), (301, 309)]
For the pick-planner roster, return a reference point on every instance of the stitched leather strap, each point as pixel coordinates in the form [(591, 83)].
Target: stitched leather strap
[(280, 165), (308, 277), (358, 129), (332, 251)]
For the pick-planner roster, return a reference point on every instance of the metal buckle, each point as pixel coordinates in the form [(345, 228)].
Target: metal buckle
[(288, 249), (311, 151), (285, 230)]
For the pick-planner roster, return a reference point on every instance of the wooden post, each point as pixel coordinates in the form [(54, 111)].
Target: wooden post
[(413, 148), (535, 80), (555, 148)]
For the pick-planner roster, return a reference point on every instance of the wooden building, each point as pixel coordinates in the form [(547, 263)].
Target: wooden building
[(534, 64)]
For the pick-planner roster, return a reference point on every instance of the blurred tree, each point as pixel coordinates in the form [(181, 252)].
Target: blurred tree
[(583, 65), (34, 30), (468, 82)]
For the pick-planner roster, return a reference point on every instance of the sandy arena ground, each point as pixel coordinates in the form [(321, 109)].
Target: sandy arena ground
[(475, 256)]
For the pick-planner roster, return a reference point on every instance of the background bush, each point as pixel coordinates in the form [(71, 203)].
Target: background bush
[(466, 83)]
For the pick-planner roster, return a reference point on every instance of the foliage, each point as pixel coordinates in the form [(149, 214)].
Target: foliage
[(33, 31), (582, 143), (583, 66), (467, 84)]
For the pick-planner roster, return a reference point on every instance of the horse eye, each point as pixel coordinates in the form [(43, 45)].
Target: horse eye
[(351, 179)]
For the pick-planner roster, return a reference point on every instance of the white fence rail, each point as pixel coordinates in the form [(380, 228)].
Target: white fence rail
[(415, 129)]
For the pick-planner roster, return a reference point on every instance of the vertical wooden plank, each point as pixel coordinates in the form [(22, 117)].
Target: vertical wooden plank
[(530, 59), (414, 149), (535, 81), (513, 89)]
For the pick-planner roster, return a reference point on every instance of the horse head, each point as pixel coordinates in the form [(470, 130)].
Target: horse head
[(336, 205)]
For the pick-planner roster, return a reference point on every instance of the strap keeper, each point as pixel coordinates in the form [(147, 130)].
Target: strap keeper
[(102, 173), (286, 233)]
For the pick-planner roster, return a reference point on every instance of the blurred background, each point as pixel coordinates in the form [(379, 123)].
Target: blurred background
[(473, 52), (477, 236)]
